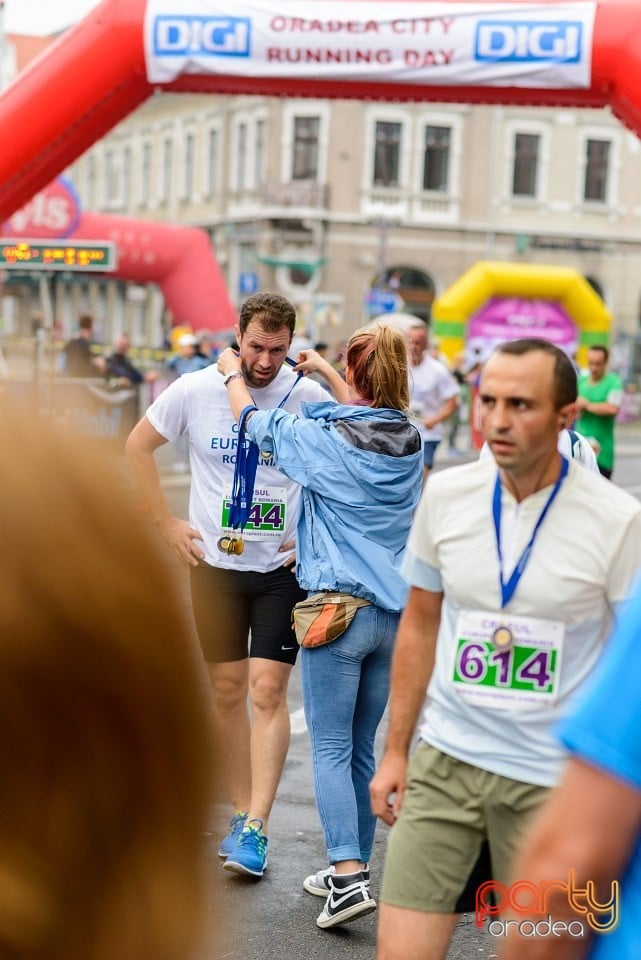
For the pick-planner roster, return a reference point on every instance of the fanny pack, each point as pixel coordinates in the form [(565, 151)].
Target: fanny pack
[(324, 617)]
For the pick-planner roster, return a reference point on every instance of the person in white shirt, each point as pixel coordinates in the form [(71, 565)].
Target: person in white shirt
[(510, 606), (433, 393), (239, 586)]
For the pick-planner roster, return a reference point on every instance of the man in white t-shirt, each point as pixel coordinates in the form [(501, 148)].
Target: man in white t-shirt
[(517, 563), (235, 594), (433, 393)]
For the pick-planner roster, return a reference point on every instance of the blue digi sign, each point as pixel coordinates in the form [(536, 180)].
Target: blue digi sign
[(518, 41), (182, 35)]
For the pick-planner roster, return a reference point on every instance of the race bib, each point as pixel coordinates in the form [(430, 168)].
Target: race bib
[(506, 661), (267, 517)]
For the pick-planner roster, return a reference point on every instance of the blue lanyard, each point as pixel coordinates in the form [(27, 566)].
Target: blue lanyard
[(242, 493), (508, 589)]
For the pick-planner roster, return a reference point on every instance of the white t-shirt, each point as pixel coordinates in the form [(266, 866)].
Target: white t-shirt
[(583, 561), (573, 446), (431, 384), (197, 406)]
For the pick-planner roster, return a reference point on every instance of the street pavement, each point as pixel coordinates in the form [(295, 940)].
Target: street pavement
[(274, 918)]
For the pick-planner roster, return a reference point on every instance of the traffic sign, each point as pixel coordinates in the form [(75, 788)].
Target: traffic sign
[(248, 282), (379, 300)]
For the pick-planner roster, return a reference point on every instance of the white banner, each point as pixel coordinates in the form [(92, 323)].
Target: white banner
[(451, 44)]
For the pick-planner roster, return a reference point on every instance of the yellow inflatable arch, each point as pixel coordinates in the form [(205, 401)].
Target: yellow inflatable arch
[(563, 285)]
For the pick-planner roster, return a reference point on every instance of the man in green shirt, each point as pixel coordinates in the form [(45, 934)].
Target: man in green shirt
[(599, 401)]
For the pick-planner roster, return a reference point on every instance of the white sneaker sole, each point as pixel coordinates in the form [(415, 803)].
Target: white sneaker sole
[(233, 867), (347, 915)]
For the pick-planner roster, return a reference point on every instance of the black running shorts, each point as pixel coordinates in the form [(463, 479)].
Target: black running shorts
[(231, 606)]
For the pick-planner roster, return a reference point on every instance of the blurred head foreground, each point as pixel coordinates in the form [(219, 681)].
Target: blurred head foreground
[(104, 750)]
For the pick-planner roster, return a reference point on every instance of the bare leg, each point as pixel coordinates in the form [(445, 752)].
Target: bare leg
[(348, 866), (413, 935), (229, 682), (268, 682)]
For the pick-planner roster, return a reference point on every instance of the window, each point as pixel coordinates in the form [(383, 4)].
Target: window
[(126, 176), (167, 158), (110, 178), (436, 158), (241, 157), (145, 175), (259, 156), (596, 170), (305, 148), (212, 162), (188, 171), (387, 150), (91, 182), (526, 159)]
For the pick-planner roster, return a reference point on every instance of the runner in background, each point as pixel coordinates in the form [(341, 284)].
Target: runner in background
[(433, 393), (599, 401)]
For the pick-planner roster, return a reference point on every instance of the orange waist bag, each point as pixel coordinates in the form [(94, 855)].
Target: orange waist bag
[(324, 617)]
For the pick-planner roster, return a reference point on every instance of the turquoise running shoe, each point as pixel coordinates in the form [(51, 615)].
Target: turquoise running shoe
[(249, 856), (228, 843)]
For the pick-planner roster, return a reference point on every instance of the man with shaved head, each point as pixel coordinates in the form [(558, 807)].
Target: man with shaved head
[(509, 609)]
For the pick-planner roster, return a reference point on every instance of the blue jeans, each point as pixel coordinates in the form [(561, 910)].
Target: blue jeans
[(345, 690), (429, 452)]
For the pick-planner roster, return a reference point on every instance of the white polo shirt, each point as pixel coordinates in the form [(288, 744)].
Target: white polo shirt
[(584, 559)]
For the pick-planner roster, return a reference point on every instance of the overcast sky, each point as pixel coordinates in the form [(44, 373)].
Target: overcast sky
[(44, 16)]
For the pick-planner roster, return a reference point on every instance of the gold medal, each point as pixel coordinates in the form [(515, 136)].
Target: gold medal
[(237, 546), (502, 638), (224, 544), (231, 545)]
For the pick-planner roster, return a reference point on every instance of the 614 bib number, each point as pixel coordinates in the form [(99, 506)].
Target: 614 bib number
[(521, 668)]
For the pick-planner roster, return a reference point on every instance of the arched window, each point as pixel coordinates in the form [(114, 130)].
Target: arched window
[(416, 288)]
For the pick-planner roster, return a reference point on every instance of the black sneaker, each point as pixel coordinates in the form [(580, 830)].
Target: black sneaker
[(348, 899), (318, 883)]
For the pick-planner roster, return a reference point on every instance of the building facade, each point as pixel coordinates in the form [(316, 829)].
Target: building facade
[(326, 201)]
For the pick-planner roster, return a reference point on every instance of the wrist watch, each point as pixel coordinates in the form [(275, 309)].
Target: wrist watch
[(232, 376)]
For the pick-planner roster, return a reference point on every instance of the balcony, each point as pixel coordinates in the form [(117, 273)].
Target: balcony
[(294, 195)]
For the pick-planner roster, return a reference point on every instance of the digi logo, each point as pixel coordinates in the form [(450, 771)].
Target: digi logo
[(205, 36), (512, 41)]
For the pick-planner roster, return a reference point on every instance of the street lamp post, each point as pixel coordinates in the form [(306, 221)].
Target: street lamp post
[(383, 225)]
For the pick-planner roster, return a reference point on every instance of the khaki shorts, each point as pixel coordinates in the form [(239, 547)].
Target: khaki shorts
[(449, 809)]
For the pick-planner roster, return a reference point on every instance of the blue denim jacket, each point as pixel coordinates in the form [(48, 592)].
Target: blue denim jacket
[(360, 470)]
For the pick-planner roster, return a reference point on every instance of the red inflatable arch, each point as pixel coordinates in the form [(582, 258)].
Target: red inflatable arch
[(577, 53), (178, 259)]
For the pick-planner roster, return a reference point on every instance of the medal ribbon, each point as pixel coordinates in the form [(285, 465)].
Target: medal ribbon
[(508, 588), (247, 454)]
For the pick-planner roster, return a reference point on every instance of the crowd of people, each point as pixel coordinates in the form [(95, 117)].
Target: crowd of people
[(481, 596), (500, 646)]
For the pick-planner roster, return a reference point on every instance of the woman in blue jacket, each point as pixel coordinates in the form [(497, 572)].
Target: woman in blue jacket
[(359, 464)]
